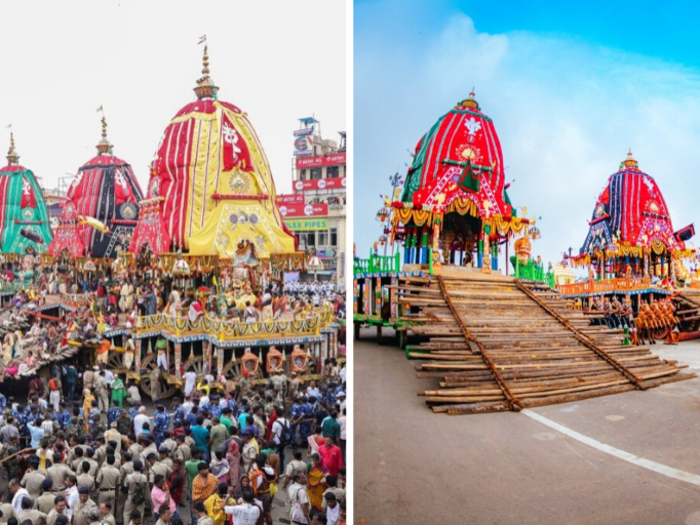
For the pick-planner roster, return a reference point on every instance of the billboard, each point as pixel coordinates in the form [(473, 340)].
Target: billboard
[(321, 160), (334, 183), (303, 210), (291, 198), (303, 132), (306, 225), (304, 146)]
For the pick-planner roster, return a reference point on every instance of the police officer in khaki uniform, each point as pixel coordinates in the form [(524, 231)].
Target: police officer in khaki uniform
[(108, 481), (136, 486), (85, 479), (45, 502), (33, 479), (183, 451), (81, 512), (125, 469), (58, 472)]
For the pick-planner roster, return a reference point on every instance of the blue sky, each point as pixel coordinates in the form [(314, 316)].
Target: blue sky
[(570, 89)]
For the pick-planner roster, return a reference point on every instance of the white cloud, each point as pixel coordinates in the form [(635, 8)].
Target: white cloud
[(566, 113)]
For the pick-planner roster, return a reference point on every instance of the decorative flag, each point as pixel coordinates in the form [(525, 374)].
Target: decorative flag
[(685, 234), (469, 180), (122, 191), (235, 150), (28, 198), (202, 39)]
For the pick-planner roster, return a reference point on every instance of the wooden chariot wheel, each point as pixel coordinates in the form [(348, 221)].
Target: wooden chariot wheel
[(232, 370), (194, 364), (661, 332), (153, 380), (115, 363)]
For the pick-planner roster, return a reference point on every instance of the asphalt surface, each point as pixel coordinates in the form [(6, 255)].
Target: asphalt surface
[(412, 466)]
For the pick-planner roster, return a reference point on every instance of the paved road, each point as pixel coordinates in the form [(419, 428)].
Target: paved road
[(415, 467)]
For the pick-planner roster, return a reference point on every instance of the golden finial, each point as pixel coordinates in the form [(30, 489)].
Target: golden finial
[(205, 61), (12, 157), (205, 86), (104, 147), (630, 162), (470, 102)]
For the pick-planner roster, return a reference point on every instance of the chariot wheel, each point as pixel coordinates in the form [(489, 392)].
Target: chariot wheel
[(232, 370), (660, 333), (115, 363), (195, 364), (153, 382)]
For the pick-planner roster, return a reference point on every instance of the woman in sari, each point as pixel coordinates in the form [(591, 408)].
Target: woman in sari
[(87, 407), (215, 504), (233, 456), (118, 391), (315, 440), (316, 474), (243, 483)]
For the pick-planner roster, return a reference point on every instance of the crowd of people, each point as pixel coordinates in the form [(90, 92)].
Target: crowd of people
[(121, 298), (213, 457), (84, 449), (115, 299)]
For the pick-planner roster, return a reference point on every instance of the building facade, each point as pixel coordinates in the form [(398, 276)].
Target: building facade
[(316, 210)]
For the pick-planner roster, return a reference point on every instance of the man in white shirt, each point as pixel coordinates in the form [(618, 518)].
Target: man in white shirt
[(18, 493), (332, 509), (312, 390), (47, 426), (139, 420), (279, 428), (204, 400), (187, 405), (190, 378), (341, 400), (299, 499), (71, 495), (248, 512)]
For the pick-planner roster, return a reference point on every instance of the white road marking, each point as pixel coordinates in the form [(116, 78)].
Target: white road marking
[(621, 454), (614, 418)]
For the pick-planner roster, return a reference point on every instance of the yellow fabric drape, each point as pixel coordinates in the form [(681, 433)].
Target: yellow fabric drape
[(515, 225), (463, 206), (220, 236), (658, 246), (406, 215)]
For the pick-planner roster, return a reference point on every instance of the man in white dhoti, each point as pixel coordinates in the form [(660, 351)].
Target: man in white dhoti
[(126, 299)]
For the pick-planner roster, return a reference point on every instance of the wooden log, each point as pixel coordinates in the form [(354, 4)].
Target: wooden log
[(568, 398), (480, 408), (582, 388), (464, 399)]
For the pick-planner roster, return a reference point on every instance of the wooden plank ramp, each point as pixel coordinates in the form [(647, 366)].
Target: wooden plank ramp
[(496, 343)]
